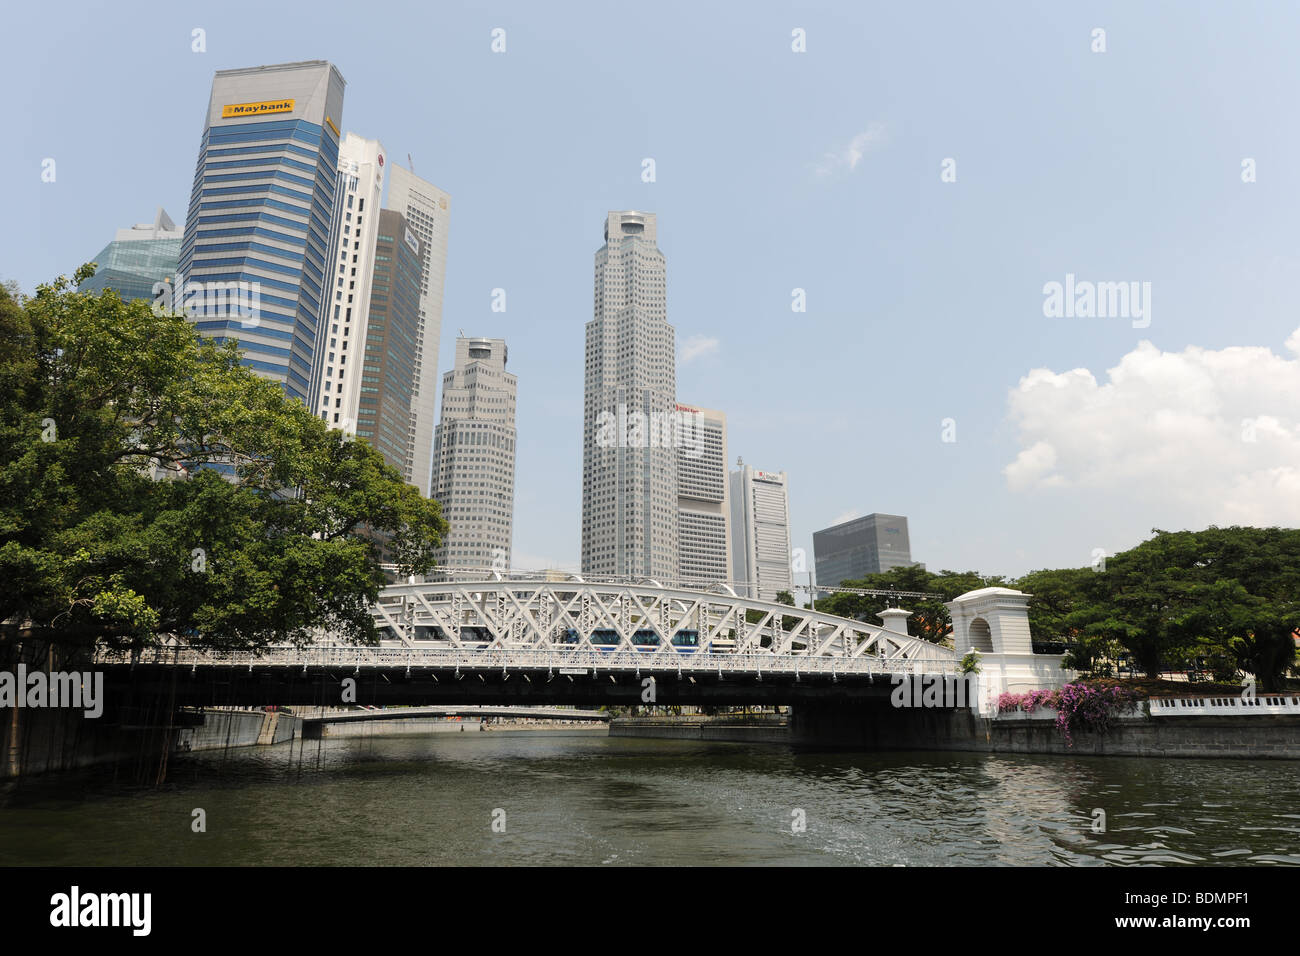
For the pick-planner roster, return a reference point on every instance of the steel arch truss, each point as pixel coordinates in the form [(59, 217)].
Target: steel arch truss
[(662, 626)]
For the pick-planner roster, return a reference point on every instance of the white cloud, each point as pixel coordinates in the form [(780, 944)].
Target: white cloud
[(848, 157), (697, 346), (1215, 433)]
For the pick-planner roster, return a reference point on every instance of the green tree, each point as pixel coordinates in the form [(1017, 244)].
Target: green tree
[(1229, 591), (150, 484)]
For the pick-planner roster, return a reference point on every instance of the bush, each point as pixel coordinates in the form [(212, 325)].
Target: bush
[(1078, 706), (1082, 707)]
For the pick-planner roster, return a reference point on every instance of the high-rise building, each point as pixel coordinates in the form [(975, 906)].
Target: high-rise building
[(392, 328), (427, 211), (629, 464), (261, 214), (853, 549), (703, 499), (474, 456), (760, 532), (137, 258), (348, 276)]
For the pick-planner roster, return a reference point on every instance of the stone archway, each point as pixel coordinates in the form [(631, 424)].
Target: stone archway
[(981, 636)]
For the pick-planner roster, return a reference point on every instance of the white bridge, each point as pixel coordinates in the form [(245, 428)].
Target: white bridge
[(529, 638), (560, 622)]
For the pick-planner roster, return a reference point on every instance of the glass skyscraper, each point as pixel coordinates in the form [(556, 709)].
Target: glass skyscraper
[(392, 330), (851, 550), (137, 258), (262, 212)]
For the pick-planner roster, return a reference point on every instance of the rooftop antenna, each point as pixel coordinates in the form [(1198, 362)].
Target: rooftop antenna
[(410, 162)]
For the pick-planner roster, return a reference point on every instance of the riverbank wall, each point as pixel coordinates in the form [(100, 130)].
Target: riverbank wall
[(41, 741), (843, 726), (760, 730), (419, 726), (221, 729)]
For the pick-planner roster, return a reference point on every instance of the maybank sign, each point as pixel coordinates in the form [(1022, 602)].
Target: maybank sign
[(256, 109)]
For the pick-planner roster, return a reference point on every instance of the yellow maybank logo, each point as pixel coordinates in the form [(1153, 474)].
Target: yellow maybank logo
[(256, 109)]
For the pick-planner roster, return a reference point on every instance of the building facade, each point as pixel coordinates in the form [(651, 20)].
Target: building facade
[(474, 456), (427, 210), (261, 214), (703, 499), (391, 340), (760, 532), (137, 259), (629, 465), (853, 549), (348, 279)]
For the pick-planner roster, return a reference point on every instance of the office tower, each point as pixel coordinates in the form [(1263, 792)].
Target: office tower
[(629, 464), (474, 457), (137, 258), (350, 269), (427, 211), (388, 360), (703, 498), (853, 549), (261, 214), (760, 532)]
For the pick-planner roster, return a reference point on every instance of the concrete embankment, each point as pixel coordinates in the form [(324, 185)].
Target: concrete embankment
[(39, 741), (844, 725), (441, 725), (753, 730), (238, 728), (855, 727)]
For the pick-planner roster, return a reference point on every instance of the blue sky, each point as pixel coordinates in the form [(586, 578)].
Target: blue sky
[(778, 170)]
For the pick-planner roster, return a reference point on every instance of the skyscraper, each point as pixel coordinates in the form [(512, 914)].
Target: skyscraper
[(348, 277), (137, 258), (853, 549), (261, 212), (427, 211), (704, 500), (760, 532), (474, 456), (629, 470), (388, 360)]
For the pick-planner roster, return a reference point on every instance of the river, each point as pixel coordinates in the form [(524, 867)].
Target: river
[(586, 799)]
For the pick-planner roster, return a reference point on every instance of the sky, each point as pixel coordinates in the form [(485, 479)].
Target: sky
[(923, 172)]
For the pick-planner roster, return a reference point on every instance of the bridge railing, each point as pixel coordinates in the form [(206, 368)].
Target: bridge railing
[(555, 660)]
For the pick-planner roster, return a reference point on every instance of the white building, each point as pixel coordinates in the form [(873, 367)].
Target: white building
[(703, 500), (427, 211), (760, 532), (348, 279), (629, 468), (474, 457)]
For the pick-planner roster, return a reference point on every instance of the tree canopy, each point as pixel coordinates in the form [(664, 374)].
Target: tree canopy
[(1227, 594), (151, 484)]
